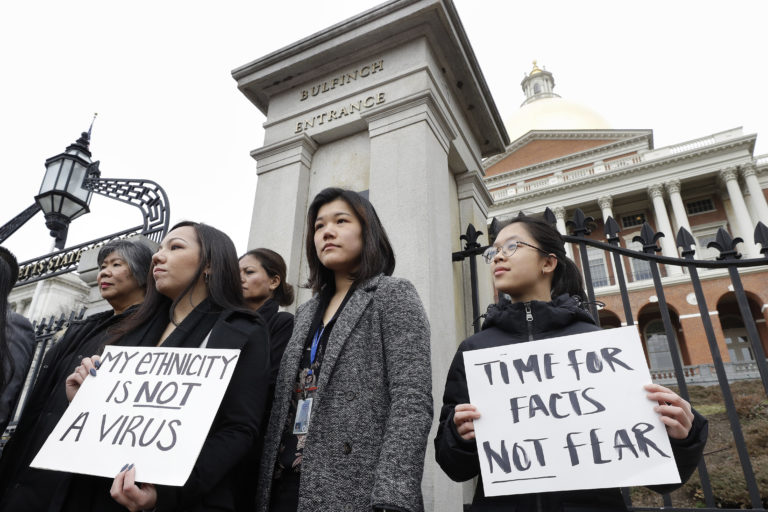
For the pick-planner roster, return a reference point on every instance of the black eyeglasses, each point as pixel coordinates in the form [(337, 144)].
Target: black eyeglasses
[(508, 248)]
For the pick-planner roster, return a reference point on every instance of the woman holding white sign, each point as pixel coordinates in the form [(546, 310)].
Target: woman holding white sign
[(353, 403), (196, 301), (528, 263), (122, 280)]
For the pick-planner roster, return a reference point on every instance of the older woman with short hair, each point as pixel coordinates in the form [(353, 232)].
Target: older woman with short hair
[(122, 280)]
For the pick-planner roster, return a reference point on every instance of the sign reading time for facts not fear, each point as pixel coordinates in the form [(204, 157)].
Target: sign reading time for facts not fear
[(567, 413), (151, 407)]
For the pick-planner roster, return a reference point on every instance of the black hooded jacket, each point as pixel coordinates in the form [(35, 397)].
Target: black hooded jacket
[(509, 323)]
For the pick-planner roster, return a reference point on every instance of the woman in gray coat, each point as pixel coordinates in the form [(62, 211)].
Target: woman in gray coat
[(353, 403)]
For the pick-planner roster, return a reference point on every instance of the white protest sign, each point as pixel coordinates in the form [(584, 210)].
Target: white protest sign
[(151, 407), (567, 413)]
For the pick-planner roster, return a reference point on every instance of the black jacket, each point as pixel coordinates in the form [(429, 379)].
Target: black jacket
[(21, 345), (22, 487), (280, 325), (506, 324)]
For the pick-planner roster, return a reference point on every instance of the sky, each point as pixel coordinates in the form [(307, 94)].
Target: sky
[(159, 76)]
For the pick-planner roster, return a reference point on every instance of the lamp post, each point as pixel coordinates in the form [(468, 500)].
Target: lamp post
[(62, 196), (71, 178)]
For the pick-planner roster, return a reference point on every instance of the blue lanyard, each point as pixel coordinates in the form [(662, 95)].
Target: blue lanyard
[(315, 344)]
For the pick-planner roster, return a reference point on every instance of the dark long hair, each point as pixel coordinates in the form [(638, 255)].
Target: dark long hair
[(8, 278), (377, 255), (274, 265), (567, 277), (223, 283)]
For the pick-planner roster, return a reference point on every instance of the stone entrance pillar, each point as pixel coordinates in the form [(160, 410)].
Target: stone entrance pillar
[(391, 103)]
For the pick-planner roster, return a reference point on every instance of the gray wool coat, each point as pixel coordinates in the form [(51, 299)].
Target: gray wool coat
[(373, 410)]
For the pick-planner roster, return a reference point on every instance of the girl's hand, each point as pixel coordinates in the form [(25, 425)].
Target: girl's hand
[(131, 495), (464, 416), (88, 366), (675, 412)]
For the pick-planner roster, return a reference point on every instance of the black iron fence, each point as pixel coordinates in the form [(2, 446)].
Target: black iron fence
[(45, 330), (718, 371)]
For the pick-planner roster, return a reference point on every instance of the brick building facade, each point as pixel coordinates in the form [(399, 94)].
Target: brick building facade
[(574, 160)]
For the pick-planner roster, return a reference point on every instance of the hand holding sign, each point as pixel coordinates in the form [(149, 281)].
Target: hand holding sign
[(88, 366), (675, 412), (131, 495), (464, 416), (570, 413)]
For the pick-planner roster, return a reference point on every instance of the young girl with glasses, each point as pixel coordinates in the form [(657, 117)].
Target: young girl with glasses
[(528, 263)]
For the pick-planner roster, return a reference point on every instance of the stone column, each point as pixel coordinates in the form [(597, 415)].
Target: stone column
[(281, 196), (678, 207), (668, 248), (559, 212), (756, 193), (606, 205), (413, 189), (743, 227)]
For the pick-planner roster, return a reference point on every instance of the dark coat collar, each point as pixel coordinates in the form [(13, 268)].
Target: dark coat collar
[(547, 316)]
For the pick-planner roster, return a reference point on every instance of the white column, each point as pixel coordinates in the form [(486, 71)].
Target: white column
[(280, 208), (756, 193), (668, 247), (743, 227), (559, 212), (678, 207), (606, 205)]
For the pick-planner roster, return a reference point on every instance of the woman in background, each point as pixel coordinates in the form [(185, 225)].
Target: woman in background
[(262, 272), (528, 262), (353, 402)]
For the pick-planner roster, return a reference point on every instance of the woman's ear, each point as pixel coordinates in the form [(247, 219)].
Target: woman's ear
[(550, 264), (274, 283)]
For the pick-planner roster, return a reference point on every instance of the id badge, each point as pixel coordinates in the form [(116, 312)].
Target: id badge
[(303, 413)]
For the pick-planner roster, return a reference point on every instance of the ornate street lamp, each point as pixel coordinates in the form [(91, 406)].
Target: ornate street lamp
[(65, 194), (62, 196)]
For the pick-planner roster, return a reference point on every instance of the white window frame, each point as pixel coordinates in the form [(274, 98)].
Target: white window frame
[(708, 230), (629, 244)]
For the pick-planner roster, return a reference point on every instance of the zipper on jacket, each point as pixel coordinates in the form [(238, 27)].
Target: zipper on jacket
[(529, 320)]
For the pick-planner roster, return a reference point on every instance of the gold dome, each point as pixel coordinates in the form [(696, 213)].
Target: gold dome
[(553, 113)]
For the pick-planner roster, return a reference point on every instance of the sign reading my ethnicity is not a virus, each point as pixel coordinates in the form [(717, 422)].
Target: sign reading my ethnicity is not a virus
[(150, 406), (567, 413)]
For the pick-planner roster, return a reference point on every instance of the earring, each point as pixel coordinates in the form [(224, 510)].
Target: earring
[(206, 277)]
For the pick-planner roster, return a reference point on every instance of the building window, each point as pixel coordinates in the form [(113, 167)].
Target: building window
[(597, 267), (641, 269), (703, 234), (659, 355), (736, 339), (700, 206), (704, 252), (536, 88), (636, 219)]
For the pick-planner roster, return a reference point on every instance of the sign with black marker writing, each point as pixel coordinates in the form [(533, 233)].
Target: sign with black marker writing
[(151, 407), (567, 413)]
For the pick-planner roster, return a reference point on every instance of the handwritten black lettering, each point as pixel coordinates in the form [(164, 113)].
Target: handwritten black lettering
[(76, 425)]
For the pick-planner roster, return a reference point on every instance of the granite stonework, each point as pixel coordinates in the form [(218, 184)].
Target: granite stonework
[(393, 103)]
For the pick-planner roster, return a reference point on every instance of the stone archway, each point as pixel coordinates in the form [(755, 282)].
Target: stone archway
[(653, 335), (609, 319), (734, 329)]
